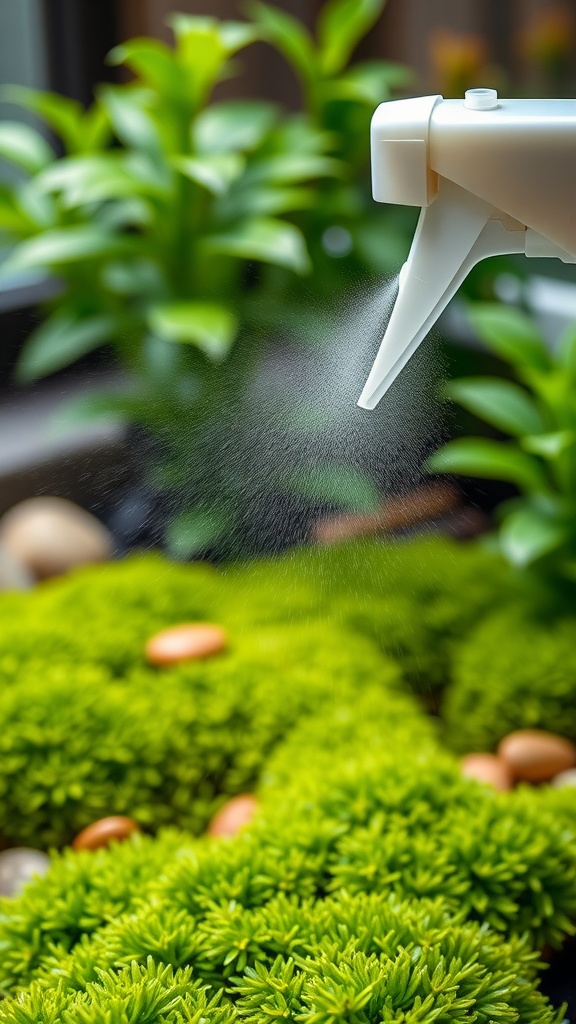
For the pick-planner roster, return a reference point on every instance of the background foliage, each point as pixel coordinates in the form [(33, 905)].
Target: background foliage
[(190, 234), (537, 412)]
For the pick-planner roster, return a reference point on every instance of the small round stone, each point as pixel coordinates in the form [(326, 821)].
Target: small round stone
[(18, 866), (50, 536), (488, 768), (234, 815), (105, 831), (563, 779), (534, 755), (186, 642)]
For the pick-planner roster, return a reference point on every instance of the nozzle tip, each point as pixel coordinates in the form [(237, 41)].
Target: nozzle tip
[(368, 401)]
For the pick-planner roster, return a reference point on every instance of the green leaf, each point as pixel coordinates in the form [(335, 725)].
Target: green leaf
[(210, 327), (24, 146), (501, 403), (38, 207), (549, 446), (527, 534), (61, 246), (339, 485), (201, 52), (191, 533), (155, 64), (567, 349), (511, 335), (265, 239), (134, 277), (369, 83), (204, 46), (473, 456), (95, 178), (236, 35), (64, 115), (268, 201), (96, 128), (61, 340), (126, 107), (215, 173), (293, 168), (289, 36), (237, 125), (12, 217), (97, 405), (340, 27)]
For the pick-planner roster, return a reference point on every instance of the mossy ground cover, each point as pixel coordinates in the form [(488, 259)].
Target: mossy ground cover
[(360, 892), (376, 884)]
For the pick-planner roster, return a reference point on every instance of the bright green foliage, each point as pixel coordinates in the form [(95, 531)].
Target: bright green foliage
[(104, 614), (346, 807), (82, 892), (165, 748), (417, 599), (360, 958), (151, 994), (179, 229), (375, 883), (513, 672), (538, 413)]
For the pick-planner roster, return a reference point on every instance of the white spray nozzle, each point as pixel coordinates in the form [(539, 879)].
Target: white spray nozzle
[(492, 177)]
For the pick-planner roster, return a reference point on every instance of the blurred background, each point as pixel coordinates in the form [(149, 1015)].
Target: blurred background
[(522, 47)]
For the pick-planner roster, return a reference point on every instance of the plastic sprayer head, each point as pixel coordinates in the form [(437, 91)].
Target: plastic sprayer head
[(492, 177)]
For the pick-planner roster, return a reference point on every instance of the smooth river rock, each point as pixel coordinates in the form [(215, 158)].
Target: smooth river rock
[(234, 815), (114, 829), (534, 755), (564, 779), (18, 866), (186, 642), (49, 536), (488, 768)]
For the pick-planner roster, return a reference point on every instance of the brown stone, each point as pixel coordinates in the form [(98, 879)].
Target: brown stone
[(186, 642), (488, 768), (396, 513), (105, 831), (234, 815), (49, 536), (534, 755)]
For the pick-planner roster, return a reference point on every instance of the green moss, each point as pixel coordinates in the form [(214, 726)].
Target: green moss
[(361, 958), (376, 884), (416, 598), (513, 672), (371, 807), (105, 614), (77, 744)]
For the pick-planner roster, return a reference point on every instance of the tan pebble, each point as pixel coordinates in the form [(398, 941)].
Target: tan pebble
[(238, 812), (563, 779), (534, 755), (105, 831), (185, 643), (49, 536), (488, 768)]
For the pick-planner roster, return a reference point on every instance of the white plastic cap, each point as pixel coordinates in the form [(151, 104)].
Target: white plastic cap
[(481, 99)]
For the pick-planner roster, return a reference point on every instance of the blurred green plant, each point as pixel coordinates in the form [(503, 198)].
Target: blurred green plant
[(177, 228), (538, 412)]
